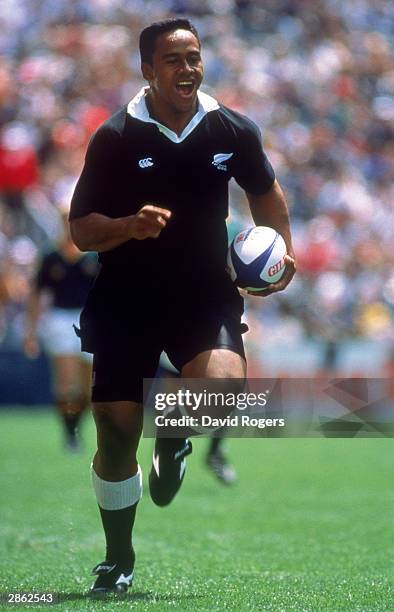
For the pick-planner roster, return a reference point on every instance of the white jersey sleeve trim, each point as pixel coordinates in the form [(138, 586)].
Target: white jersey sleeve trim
[(137, 108)]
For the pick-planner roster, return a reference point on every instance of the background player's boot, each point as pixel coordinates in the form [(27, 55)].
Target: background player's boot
[(71, 411), (111, 578), (168, 468), (220, 466)]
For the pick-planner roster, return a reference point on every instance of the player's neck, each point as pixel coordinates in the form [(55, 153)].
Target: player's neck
[(167, 115)]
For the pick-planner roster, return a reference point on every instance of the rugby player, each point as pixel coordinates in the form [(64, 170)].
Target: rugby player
[(65, 276), (152, 199)]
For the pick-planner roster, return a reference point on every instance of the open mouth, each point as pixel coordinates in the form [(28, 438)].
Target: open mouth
[(185, 88)]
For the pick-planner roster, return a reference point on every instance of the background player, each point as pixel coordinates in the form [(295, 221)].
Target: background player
[(64, 276), (153, 202)]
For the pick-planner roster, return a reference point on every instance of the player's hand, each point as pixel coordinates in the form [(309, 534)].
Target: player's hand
[(149, 221), (288, 274)]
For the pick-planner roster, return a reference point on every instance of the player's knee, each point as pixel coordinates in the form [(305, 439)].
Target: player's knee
[(71, 403), (217, 364), (225, 386), (226, 381), (116, 431), (70, 393)]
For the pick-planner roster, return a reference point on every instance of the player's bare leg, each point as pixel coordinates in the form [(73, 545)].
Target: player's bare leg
[(72, 377), (117, 482), (225, 364), (169, 461), (216, 363)]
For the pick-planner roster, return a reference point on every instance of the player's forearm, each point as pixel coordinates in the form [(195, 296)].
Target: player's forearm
[(278, 217), (97, 232), (271, 209)]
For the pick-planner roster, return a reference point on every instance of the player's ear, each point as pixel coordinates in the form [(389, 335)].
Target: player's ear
[(147, 71)]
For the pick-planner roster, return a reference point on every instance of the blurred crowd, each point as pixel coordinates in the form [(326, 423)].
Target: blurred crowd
[(316, 76)]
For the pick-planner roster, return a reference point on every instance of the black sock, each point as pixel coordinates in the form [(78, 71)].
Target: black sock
[(118, 527), (214, 445), (71, 422), (71, 412)]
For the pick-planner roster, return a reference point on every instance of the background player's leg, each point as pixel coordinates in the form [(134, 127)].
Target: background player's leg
[(71, 393), (117, 483), (217, 459)]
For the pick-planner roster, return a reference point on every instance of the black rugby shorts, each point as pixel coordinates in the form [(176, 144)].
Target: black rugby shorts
[(122, 362)]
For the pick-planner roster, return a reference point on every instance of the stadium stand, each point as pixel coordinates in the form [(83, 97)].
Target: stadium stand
[(318, 81)]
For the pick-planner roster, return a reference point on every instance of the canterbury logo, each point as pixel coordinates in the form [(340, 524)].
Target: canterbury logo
[(220, 158), (145, 163)]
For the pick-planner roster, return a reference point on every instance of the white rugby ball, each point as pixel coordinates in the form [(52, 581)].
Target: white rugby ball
[(256, 258)]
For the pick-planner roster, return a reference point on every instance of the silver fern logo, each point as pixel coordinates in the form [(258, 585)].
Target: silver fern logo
[(219, 159)]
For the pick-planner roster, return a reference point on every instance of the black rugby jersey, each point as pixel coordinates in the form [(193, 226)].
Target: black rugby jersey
[(67, 281), (133, 160)]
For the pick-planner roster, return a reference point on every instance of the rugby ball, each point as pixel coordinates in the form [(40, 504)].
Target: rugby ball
[(256, 258)]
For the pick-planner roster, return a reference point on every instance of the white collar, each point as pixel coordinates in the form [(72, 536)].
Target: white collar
[(137, 108)]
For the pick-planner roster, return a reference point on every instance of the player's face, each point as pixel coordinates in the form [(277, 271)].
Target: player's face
[(176, 71)]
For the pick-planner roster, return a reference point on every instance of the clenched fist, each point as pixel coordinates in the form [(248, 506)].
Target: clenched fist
[(149, 222)]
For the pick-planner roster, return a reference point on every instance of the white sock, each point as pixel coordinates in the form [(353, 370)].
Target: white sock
[(117, 495)]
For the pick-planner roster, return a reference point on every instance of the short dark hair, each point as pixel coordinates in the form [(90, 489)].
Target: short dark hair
[(150, 34)]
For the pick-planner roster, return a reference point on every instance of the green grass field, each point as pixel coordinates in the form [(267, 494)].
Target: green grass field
[(308, 526)]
